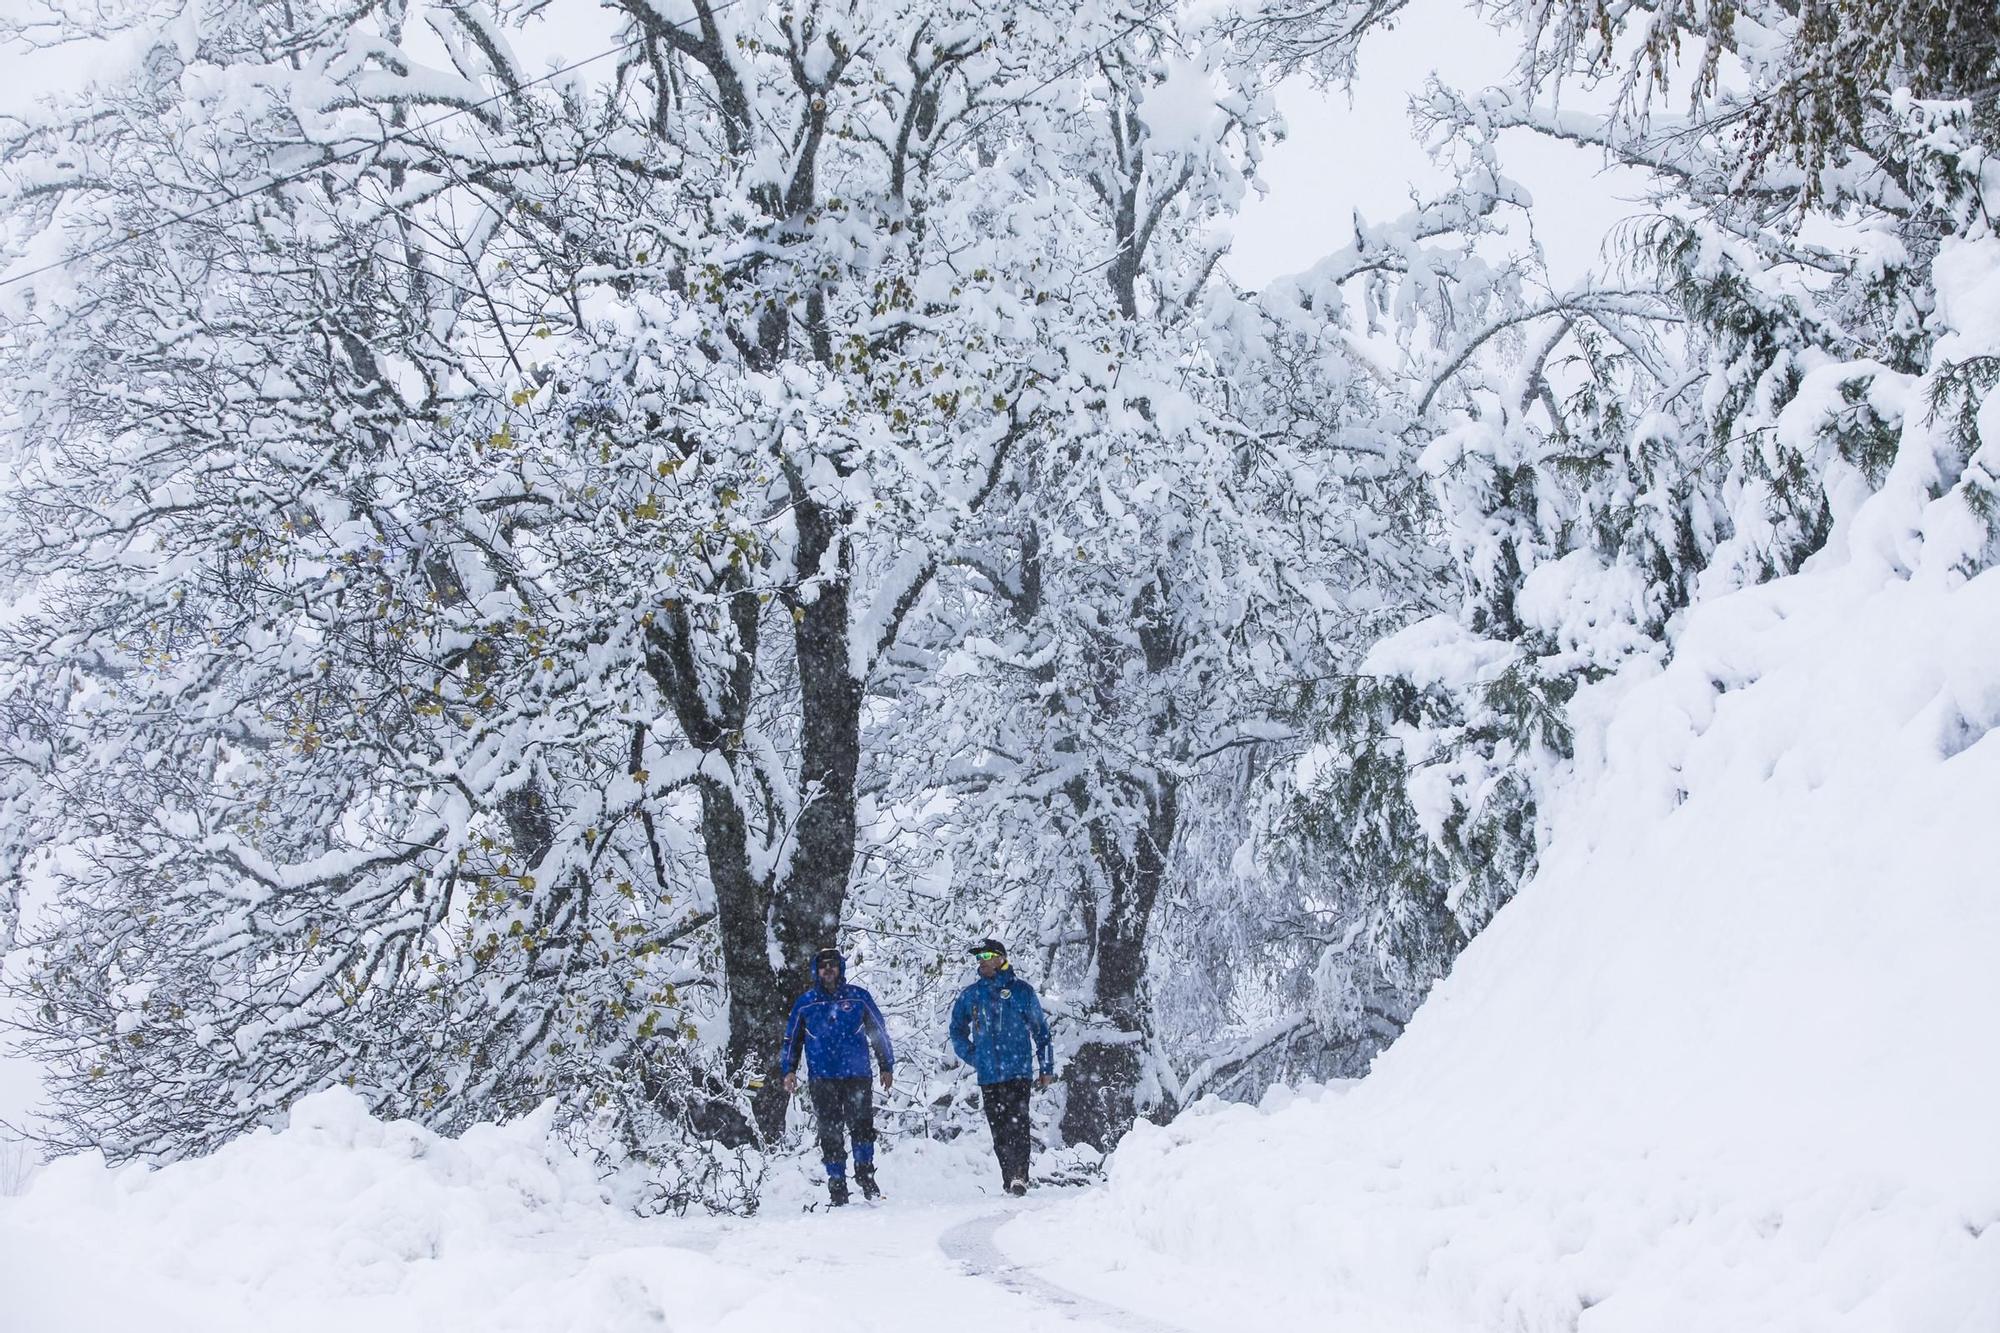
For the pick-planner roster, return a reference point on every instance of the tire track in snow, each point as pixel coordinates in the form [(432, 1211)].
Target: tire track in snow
[(970, 1244)]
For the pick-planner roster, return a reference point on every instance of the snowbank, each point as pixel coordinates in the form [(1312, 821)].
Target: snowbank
[(1728, 1063), (344, 1222)]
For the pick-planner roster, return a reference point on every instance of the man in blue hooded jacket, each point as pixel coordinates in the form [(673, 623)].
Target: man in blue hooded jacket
[(997, 1027), (835, 1025)]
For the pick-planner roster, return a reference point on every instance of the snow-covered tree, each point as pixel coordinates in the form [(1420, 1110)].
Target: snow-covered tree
[(1086, 696), (462, 512), (1701, 416), (1230, 517)]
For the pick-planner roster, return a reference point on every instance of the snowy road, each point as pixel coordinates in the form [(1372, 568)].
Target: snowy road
[(913, 1266), (344, 1223), (971, 1244)]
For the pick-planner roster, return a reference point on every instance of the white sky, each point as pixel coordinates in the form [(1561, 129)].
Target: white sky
[(1346, 149), (1359, 152)]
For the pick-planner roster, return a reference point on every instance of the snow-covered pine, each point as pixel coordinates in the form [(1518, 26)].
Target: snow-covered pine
[(1703, 416)]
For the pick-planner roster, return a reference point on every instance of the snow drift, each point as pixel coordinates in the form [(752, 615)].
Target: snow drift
[(344, 1222), (1728, 1062)]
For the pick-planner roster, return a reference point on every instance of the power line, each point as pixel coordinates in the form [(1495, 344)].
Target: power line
[(1092, 53), (402, 136)]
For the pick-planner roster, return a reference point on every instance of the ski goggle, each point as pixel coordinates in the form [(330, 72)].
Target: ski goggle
[(985, 954)]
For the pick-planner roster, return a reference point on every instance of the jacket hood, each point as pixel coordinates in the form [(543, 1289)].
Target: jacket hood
[(812, 966)]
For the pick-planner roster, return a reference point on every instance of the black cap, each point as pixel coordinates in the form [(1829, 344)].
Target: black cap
[(989, 946), (824, 954)]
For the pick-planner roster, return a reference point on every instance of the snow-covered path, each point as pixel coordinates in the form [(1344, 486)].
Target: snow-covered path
[(973, 1246), (343, 1222), (890, 1269), (904, 1267)]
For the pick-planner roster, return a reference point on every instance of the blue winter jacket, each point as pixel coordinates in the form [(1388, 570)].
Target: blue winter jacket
[(835, 1028), (997, 1027)]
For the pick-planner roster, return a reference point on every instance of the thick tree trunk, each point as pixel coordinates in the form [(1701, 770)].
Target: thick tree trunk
[(800, 911), (797, 910), (814, 892), (1103, 1078), (758, 995), (758, 1000)]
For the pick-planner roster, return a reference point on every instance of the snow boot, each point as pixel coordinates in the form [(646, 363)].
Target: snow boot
[(1017, 1187), (836, 1190), (864, 1176)]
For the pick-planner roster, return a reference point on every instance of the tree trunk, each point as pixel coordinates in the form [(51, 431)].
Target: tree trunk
[(796, 911), (1103, 1077), (814, 889), (758, 996), (758, 1001), (800, 912)]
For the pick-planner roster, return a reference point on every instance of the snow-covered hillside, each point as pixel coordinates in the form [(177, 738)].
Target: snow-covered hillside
[(1727, 1063)]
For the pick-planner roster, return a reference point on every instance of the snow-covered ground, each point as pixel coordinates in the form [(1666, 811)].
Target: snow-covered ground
[(345, 1223), (1727, 1064)]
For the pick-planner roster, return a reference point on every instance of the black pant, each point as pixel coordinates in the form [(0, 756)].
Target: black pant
[(844, 1105), (1007, 1112)]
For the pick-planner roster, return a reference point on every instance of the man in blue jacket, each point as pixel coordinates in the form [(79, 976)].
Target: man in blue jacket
[(997, 1027), (835, 1024)]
